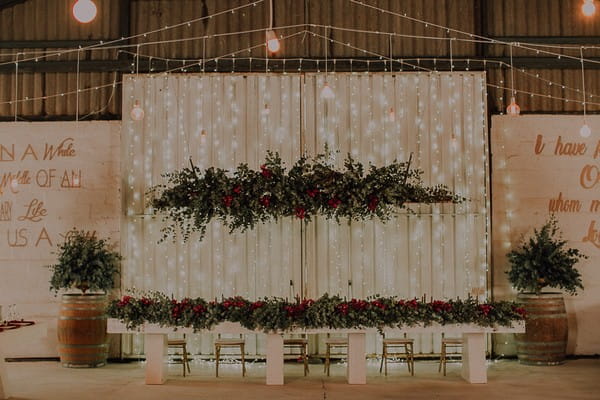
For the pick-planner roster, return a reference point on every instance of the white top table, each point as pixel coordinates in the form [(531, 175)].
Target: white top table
[(473, 363)]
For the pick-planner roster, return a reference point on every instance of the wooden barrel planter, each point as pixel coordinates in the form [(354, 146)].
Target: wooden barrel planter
[(82, 337), (545, 339)]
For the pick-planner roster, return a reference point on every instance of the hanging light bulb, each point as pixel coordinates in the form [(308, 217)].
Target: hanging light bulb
[(84, 11), (391, 115), (137, 112), (588, 8), (327, 92), (272, 41), (513, 108), (585, 130)]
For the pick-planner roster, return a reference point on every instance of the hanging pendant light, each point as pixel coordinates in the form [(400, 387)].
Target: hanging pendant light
[(513, 108), (588, 8), (84, 11), (273, 44)]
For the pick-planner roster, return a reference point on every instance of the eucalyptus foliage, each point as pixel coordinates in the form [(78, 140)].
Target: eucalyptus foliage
[(545, 260), (311, 187), (279, 314), (84, 262)]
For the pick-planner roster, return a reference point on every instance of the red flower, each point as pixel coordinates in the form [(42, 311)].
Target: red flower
[(358, 304), (265, 201), (237, 189), (439, 306), (199, 309), (485, 309), (124, 301), (334, 202), (145, 301), (521, 311), (342, 308), (300, 212), (413, 303), (373, 202), (257, 304), (378, 304), (227, 200), (312, 192), (265, 172)]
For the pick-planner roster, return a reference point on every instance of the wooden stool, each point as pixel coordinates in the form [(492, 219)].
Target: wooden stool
[(446, 344), (226, 342), (407, 353), (302, 344), (181, 344), (331, 343)]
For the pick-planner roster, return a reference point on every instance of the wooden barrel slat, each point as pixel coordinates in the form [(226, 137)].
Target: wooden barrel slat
[(545, 339), (82, 337)]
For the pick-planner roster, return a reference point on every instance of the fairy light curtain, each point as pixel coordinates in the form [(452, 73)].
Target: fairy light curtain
[(222, 120)]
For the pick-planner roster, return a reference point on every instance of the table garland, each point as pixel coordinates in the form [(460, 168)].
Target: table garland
[(278, 314), (242, 198)]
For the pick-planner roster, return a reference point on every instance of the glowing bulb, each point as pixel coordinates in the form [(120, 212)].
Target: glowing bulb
[(266, 111), (392, 115), (327, 92), (588, 8), (513, 108), (585, 131), (272, 41), (14, 184), (84, 11), (203, 132), (137, 112)]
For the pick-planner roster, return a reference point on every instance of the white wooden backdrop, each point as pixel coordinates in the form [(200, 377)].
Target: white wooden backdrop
[(222, 120)]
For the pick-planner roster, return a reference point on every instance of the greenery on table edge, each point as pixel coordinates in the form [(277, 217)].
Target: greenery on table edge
[(192, 198), (278, 314)]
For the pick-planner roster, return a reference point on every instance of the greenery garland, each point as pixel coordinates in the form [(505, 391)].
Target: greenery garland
[(278, 314), (192, 198)]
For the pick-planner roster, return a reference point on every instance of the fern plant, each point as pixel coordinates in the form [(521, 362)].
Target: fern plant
[(545, 260), (86, 263)]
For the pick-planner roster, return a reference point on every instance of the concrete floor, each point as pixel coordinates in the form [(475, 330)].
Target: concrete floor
[(577, 379)]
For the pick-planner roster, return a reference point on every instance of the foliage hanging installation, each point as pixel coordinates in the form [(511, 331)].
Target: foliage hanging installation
[(311, 187)]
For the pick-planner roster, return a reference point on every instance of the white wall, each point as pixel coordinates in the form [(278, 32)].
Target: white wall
[(76, 185), (526, 181)]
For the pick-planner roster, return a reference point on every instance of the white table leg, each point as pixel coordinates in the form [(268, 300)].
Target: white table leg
[(474, 369), (357, 365), (274, 359), (4, 392), (155, 346)]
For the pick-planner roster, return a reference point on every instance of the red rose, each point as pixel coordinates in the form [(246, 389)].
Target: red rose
[(265, 201), (257, 304), (237, 189), (312, 192), (199, 309), (485, 309), (300, 212), (334, 202), (227, 200), (265, 172), (373, 202), (124, 301)]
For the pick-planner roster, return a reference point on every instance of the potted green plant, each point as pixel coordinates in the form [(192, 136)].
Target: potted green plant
[(544, 260), (86, 268)]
